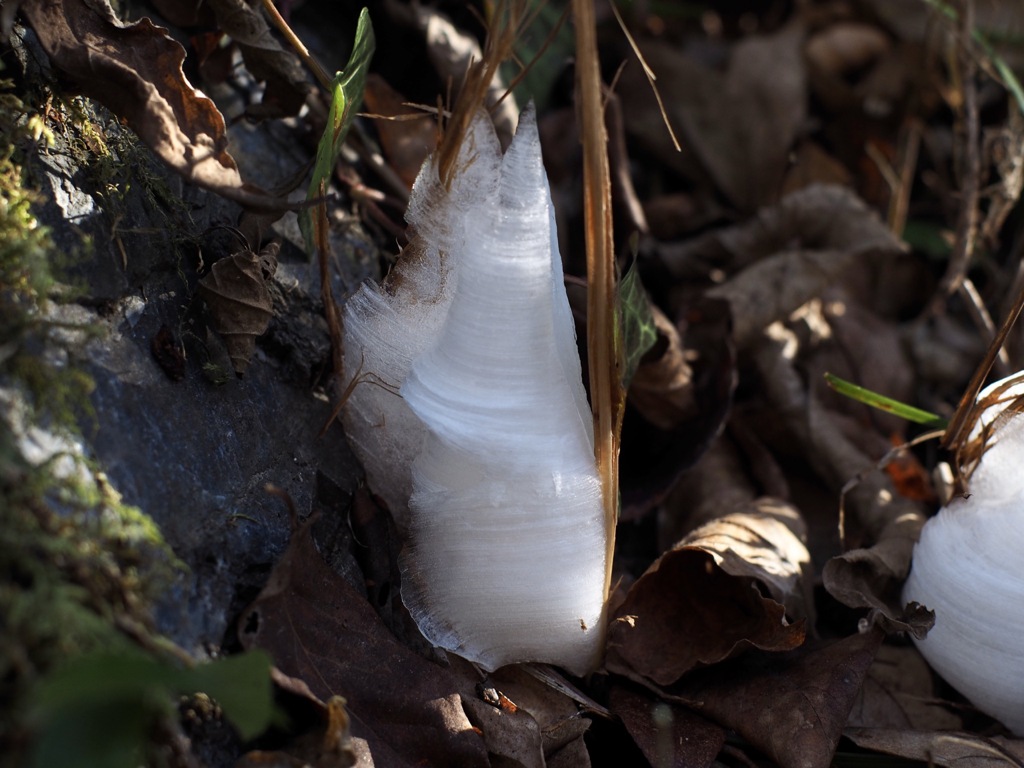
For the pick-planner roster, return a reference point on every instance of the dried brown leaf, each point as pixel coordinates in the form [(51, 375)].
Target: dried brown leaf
[(239, 300), (135, 71), (716, 486), (786, 256), (899, 692), (869, 577), (662, 387), (525, 721), (266, 59), (866, 577), (793, 706), (763, 541), (820, 218), (686, 611), (327, 742), (845, 47), (680, 398), (873, 577), (667, 734), (740, 124), (945, 748), (319, 629), (406, 143), (451, 52)]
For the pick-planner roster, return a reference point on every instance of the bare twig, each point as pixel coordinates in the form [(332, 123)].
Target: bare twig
[(900, 202), (967, 224), (649, 73), (300, 48), (980, 315)]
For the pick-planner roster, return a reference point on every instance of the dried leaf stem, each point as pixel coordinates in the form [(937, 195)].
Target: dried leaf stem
[(606, 396), (300, 48)]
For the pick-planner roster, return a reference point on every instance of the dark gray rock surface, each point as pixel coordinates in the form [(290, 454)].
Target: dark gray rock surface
[(191, 444)]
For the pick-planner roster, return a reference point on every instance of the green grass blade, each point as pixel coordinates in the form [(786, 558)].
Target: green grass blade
[(1009, 78), (883, 403), (346, 96)]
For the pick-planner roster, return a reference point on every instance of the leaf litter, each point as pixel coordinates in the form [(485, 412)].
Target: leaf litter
[(756, 610)]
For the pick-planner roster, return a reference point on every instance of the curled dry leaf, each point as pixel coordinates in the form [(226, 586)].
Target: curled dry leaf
[(764, 542), (239, 300), (945, 748), (870, 577), (740, 124), (135, 71), (845, 47), (679, 400), (661, 390), (820, 218), (699, 604), (266, 59), (715, 486), (867, 577), (814, 235)]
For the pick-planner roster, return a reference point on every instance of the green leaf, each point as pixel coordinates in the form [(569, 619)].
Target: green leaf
[(98, 711), (883, 403), (545, 45), (635, 322), (241, 686), (346, 96)]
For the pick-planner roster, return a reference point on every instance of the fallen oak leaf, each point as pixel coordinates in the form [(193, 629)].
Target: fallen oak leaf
[(135, 70), (946, 748), (279, 68), (793, 706), (686, 612), (406, 141), (239, 300), (318, 628), (678, 402), (667, 734), (740, 124), (900, 692), (325, 740)]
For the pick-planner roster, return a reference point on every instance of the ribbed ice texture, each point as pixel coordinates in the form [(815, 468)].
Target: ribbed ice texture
[(968, 568), (386, 327), (507, 555)]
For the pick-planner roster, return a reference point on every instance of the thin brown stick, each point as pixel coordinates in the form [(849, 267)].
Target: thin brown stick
[(983, 320), (899, 204), (651, 76), (606, 397), (967, 224), (282, 26)]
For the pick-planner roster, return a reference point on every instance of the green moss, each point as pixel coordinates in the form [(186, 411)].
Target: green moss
[(28, 259), (80, 568)]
